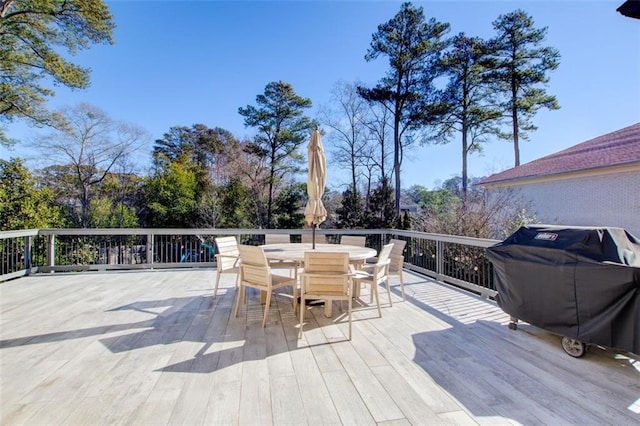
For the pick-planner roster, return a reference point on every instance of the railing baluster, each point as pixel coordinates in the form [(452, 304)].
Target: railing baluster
[(458, 260), (28, 241), (150, 244), (51, 250)]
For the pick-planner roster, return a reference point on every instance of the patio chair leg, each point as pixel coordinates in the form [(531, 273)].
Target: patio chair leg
[(374, 289), (350, 304), (267, 304), (389, 292), (215, 289), (404, 297), (238, 297), (302, 304), (295, 299)]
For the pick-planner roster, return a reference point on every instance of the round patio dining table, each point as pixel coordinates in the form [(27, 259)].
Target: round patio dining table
[(295, 252)]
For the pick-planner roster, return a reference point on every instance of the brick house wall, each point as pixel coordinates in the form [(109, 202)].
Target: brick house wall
[(594, 183), (605, 199)]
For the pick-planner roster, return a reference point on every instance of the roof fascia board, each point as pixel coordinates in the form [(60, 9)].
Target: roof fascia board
[(619, 168)]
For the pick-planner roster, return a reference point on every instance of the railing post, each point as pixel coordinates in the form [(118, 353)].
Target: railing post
[(150, 242), (51, 251), (28, 242), (440, 260)]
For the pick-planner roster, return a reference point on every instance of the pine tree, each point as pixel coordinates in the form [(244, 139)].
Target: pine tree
[(351, 212), (412, 45), (522, 65)]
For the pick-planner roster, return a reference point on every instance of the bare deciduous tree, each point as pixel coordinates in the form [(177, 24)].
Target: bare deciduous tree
[(345, 116), (91, 143), (484, 215)]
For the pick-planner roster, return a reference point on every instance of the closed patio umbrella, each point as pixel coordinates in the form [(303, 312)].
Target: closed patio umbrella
[(630, 8), (314, 212)]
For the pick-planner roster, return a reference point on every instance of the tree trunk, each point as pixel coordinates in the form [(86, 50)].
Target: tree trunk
[(396, 163), (464, 163), (269, 203), (4, 6), (514, 120), (86, 206), (354, 182)]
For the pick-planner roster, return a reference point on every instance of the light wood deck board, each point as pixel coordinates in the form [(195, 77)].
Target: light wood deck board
[(153, 347)]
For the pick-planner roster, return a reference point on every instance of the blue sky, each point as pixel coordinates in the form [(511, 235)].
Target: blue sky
[(178, 63)]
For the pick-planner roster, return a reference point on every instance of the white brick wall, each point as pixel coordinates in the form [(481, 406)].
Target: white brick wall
[(601, 200)]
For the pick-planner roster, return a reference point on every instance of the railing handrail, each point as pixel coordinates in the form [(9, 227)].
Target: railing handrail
[(456, 239), (454, 259), (479, 242), (19, 233)]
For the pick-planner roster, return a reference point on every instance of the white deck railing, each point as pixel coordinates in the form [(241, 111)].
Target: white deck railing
[(453, 259)]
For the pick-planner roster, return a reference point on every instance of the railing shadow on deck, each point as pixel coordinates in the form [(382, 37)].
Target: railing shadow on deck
[(473, 354), (524, 368)]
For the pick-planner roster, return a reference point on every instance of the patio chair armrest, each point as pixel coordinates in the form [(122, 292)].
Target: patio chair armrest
[(226, 255), (327, 274)]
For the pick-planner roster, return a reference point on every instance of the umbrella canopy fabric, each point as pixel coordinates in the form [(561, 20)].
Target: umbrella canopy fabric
[(314, 212), (630, 8)]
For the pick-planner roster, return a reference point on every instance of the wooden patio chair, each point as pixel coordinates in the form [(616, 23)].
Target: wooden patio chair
[(374, 275), (353, 240), (277, 238), (255, 272), (227, 259), (397, 262), (281, 264), (326, 276), (308, 238)]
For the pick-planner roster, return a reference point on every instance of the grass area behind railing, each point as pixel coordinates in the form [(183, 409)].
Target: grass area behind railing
[(457, 260)]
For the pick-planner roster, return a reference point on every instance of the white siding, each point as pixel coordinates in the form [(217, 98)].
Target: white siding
[(600, 200)]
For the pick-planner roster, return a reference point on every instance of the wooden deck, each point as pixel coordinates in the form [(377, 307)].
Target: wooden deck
[(154, 348)]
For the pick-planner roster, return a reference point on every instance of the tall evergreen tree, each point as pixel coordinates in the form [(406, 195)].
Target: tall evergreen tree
[(405, 223), (412, 46), (288, 207), (471, 109), (282, 129), (381, 211), (351, 212), (33, 37), (198, 142), (522, 72)]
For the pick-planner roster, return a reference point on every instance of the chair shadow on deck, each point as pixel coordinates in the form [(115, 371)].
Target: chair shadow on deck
[(245, 340), (462, 343), (200, 319), (183, 319), (205, 320)]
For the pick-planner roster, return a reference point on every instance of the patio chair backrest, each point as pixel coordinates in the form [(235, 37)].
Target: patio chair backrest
[(320, 238), (397, 263), (397, 254), (381, 269), (353, 240), (228, 254), (254, 266), (277, 238), (326, 276)]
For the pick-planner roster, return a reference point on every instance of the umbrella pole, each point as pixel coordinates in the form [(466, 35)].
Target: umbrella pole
[(313, 237)]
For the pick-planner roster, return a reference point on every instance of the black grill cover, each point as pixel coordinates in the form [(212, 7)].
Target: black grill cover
[(582, 283)]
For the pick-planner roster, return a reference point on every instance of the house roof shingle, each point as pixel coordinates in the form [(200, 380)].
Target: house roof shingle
[(613, 149)]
